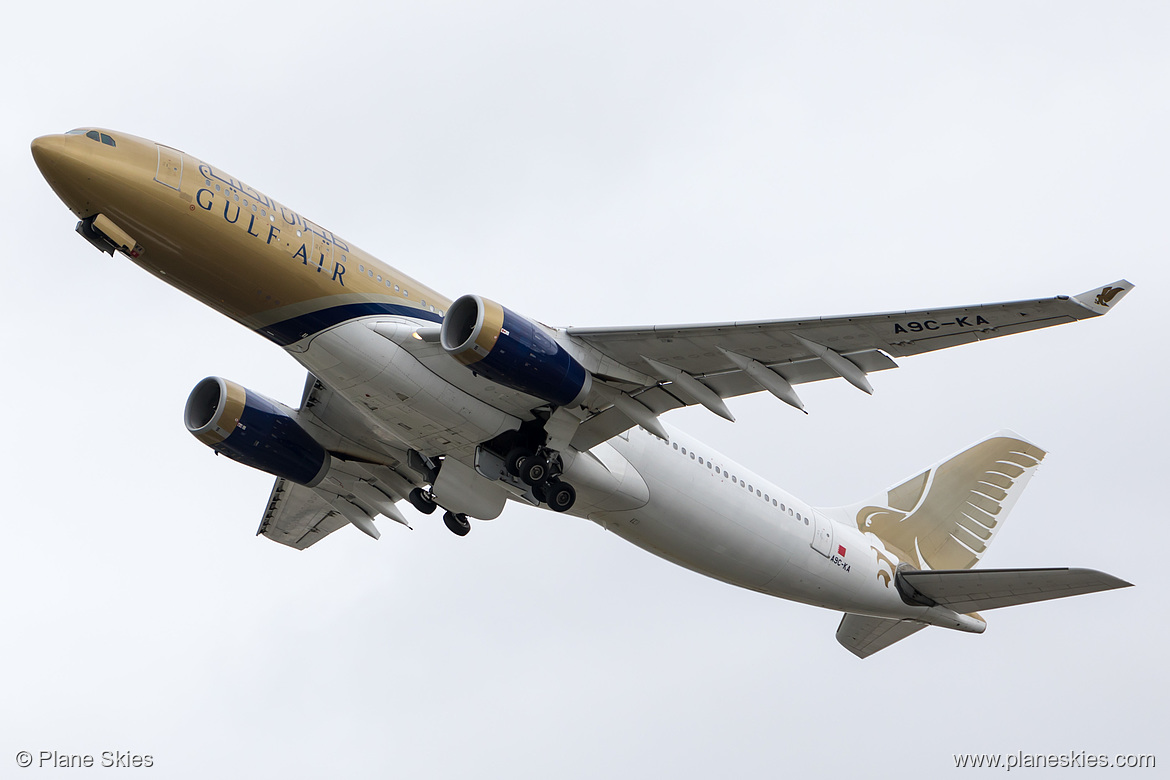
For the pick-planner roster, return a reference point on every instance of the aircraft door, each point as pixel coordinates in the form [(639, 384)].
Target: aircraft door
[(320, 248), (822, 534), (170, 167)]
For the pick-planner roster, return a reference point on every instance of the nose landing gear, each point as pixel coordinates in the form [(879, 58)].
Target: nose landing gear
[(457, 523)]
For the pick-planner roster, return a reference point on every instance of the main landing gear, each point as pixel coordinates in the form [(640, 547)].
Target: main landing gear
[(541, 473)]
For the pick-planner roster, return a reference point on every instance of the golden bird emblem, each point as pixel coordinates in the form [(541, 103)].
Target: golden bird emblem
[(1106, 295)]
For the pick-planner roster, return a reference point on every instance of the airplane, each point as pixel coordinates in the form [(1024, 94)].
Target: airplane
[(465, 405)]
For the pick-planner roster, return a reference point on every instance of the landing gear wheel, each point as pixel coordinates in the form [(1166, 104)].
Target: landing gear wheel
[(515, 460), (538, 493), (559, 496), (457, 523), (419, 500), (534, 470)]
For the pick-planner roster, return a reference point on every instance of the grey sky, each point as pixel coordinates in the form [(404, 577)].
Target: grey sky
[(600, 163)]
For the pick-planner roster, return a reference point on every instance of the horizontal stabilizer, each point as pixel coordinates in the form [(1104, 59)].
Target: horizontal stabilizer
[(968, 590), (863, 635)]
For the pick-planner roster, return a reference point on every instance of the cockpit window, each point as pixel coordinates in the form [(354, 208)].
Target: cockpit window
[(101, 138)]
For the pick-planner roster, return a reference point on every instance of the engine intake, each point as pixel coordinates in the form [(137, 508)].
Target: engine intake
[(251, 429), (510, 349)]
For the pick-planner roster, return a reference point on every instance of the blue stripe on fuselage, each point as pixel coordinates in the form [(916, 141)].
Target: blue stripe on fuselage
[(293, 330)]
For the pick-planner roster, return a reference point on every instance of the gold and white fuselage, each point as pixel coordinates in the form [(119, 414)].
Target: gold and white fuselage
[(411, 391)]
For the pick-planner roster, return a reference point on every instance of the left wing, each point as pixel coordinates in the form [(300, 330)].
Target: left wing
[(362, 482), (297, 516), (703, 364)]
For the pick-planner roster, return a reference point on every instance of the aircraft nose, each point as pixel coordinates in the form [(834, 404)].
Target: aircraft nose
[(49, 153)]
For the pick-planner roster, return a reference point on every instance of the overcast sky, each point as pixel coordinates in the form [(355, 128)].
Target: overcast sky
[(597, 164)]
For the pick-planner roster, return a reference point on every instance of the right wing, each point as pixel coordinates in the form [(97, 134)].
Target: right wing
[(669, 366)]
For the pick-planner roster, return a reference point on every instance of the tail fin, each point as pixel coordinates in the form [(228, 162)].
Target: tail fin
[(945, 517)]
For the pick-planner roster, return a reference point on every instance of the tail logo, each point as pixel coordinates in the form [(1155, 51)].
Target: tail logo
[(945, 517), (882, 573), (1106, 295)]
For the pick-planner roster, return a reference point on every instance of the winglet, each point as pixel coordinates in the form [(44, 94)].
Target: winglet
[(1101, 299)]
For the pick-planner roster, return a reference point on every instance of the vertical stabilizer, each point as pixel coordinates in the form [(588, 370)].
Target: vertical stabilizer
[(945, 517)]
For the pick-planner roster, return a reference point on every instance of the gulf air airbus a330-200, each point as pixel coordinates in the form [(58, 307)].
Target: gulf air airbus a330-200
[(464, 405)]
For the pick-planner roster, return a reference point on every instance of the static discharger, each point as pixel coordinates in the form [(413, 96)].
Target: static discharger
[(692, 387), (766, 378), (844, 367)]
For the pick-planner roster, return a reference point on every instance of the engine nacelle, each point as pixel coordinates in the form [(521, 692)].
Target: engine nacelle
[(516, 352), (249, 428)]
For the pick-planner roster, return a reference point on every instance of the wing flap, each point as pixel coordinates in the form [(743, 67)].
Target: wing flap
[(727, 384)]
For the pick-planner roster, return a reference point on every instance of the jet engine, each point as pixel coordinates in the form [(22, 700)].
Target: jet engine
[(505, 347), (251, 429)]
